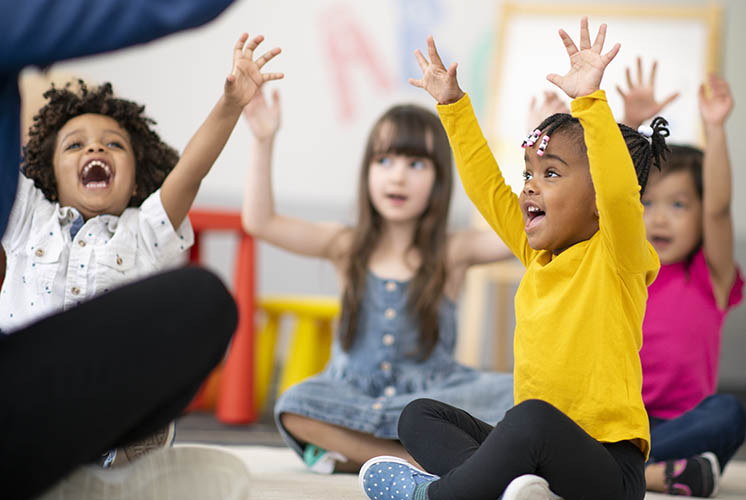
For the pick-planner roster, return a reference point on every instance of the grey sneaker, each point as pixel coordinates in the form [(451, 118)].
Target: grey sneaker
[(118, 457), (529, 487), (179, 473)]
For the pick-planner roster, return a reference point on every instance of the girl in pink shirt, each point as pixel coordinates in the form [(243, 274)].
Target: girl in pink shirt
[(694, 432)]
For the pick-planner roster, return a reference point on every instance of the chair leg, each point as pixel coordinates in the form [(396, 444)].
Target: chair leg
[(264, 363), (300, 363)]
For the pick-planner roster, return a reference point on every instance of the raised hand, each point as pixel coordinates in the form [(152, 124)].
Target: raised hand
[(587, 64), (716, 106), (551, 105), (639, 100), (440, 82), (246, 76), (263, 119)]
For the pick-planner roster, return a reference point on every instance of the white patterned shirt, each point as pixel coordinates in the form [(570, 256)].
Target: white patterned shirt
[(54, 262)]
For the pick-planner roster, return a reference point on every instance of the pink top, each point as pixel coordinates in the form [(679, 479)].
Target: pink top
[(681, 337)]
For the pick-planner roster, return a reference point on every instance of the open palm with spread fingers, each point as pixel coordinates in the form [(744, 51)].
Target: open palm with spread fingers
[(587, 64), (246, 76), (440, 82), (716, 106), (263, 119), (639, 101)]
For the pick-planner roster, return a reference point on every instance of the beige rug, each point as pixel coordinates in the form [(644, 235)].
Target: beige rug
[(277, 474)]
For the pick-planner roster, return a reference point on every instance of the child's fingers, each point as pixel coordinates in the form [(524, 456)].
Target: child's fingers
[(555, 79), (421, 60), (569, 44), (621, 93), (668, 99), (252, 45), (452, 70), (433, 52), (585, 37), (653, 71), (272, 76), (628, 74), (417, 83), (276, 100), (610, 55), (598, 44), (267, 56), (639, 70), (238, 47)]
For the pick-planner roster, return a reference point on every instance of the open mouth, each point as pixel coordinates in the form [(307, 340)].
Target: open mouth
[(534, 216), (96, 174), (397, 199), (660, 241)]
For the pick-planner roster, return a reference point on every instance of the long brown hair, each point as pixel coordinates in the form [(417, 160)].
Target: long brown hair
[(415, 131)]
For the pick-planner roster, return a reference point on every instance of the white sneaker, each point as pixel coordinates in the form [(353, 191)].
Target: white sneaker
[(180, 473), (529, 487)]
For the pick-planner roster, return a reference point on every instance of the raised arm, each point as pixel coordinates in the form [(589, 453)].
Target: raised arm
[(614, 179), (477, 167), (181, 186), (550, 105), (258, 214), (639, 100), (40, 32), (716, 186)]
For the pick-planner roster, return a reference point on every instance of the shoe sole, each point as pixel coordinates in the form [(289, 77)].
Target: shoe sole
[(180, 473), (367, 465), (710, 457), (529, 487)]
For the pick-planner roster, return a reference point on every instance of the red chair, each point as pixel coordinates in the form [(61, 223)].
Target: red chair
[(235, 378)]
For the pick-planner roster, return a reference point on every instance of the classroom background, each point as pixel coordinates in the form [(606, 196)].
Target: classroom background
[(345, 62)]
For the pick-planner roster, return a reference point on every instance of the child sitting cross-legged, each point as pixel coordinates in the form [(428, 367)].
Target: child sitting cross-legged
[(579, 427)]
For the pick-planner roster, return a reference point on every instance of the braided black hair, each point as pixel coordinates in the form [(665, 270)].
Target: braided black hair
[(644, 153)]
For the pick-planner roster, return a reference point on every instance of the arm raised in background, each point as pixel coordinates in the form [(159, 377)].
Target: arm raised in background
[(639, 100), (40, 32), (181, 186), (717, 221), (537, 113), (259, 218)]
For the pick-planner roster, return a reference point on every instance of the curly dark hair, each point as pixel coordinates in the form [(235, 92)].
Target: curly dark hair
[(154, 159)]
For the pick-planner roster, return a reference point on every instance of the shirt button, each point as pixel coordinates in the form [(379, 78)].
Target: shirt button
[(81, 243), (75, 290), (377, 406), (39, 252), (391, 286), (386, 366), (119, 260), (390, 313), (388, 339), (390, 391)]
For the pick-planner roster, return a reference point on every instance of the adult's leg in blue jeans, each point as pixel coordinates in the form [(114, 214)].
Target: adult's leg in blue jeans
[(533, 438), (107, 372), (717, 424)]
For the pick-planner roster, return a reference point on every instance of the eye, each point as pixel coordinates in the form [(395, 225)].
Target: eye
[(384, 160), (526, 175), (115, 144), (551, 173), (679, 204), (646, 203), (417, 164), (73, 145)]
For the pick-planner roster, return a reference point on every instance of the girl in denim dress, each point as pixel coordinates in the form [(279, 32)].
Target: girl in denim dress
[(401, 271)]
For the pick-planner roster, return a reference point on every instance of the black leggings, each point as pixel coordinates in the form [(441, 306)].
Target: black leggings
[(477, 461), (105, 373)]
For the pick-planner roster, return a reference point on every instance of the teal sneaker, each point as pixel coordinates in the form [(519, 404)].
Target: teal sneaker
[(320, 460)]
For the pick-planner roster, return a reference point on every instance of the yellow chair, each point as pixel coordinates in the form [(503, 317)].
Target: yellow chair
[(310, 344)]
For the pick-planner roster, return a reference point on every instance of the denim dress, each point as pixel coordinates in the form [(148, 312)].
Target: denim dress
[(366, 388)]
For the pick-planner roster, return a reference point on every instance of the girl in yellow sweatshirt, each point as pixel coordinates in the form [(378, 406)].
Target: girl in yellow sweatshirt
[(579, 424)]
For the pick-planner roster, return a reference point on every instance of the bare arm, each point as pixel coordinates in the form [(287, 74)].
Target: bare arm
[(181, 186), (258, 215), (716, 179), (472, 247)]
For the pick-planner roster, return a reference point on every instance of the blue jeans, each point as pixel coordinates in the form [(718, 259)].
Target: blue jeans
[(717, 424)]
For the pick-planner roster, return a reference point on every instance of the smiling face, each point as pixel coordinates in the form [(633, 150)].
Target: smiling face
[(94, 165), (673, 215), (400, 185), (558, 201)]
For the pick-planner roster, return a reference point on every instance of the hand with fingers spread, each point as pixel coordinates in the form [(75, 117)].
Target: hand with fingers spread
[(716, 106), (263, 119), (587, 64), (639, 100), (440, 82), (246, 76), (552, 104)]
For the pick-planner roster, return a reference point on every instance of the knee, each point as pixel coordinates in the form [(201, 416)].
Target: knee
[(532, 411), (411, 417), (733, 415), (210, 302), (294, 424)]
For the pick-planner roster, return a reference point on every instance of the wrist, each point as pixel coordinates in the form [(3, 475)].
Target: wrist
[(453, 98)]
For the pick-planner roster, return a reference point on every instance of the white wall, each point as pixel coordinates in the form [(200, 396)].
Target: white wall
[(321, 141)]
